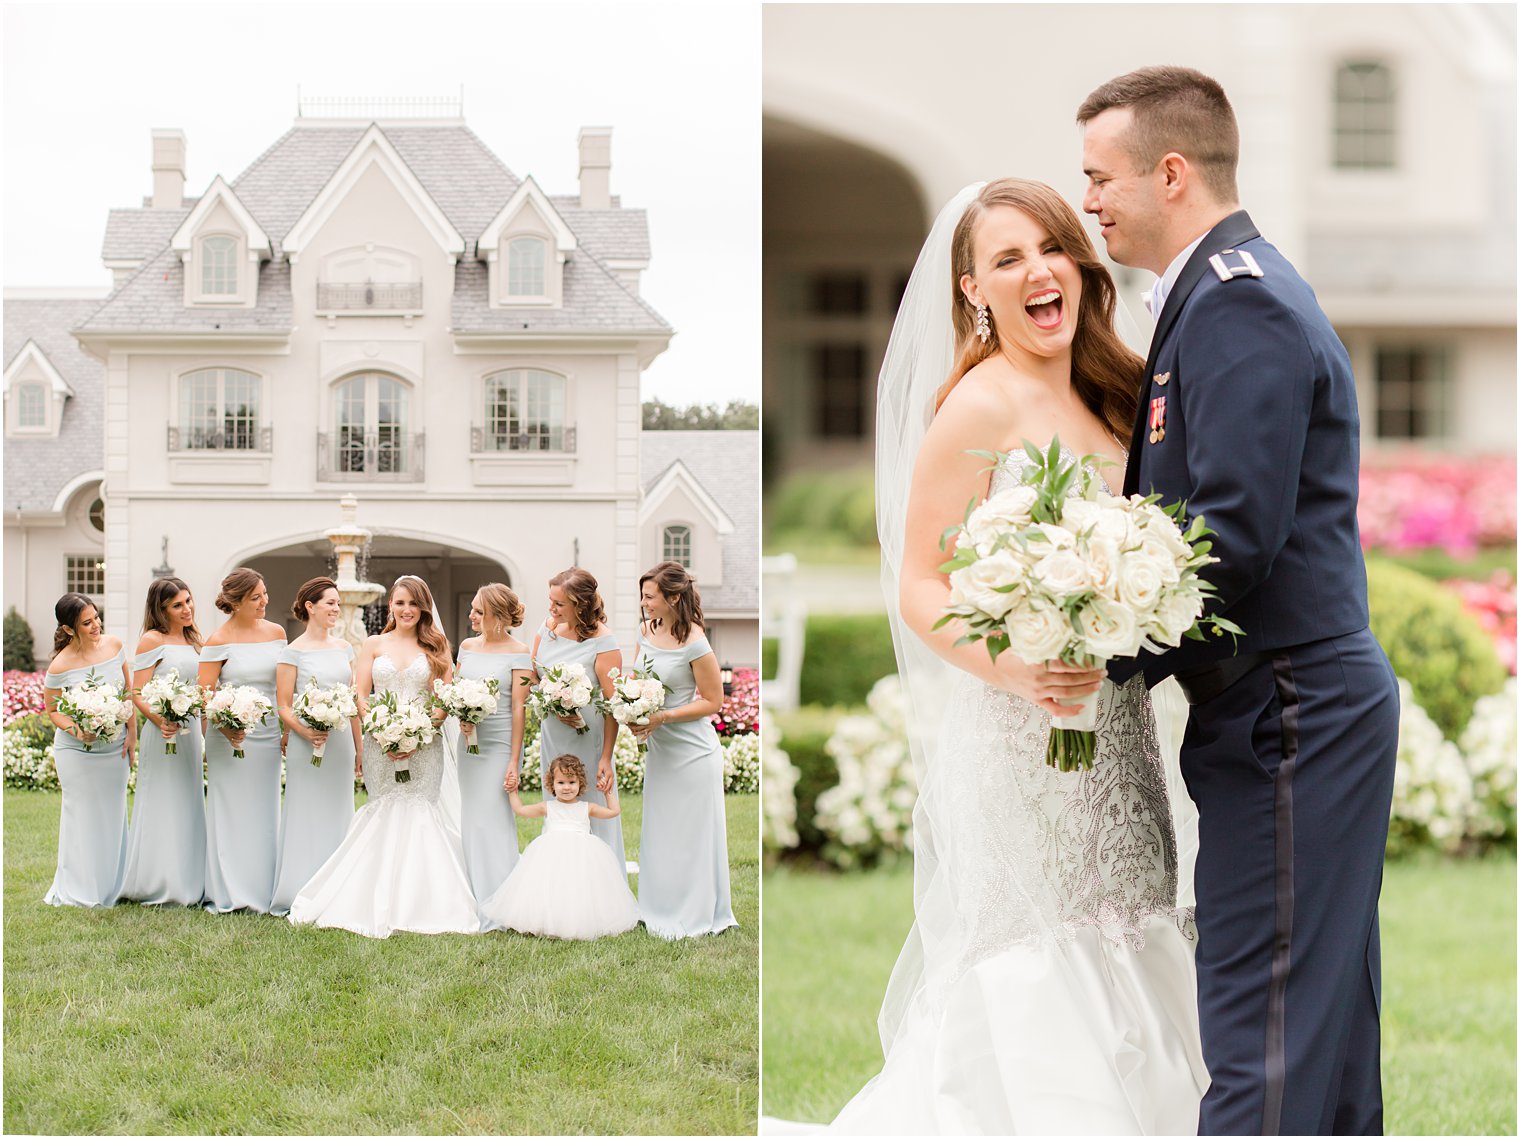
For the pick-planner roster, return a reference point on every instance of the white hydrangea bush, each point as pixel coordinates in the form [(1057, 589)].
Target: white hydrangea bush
[(741, 764), (778, 788), (28, 766), (1488, 744), (627, 760), (1432, 790), (868, 814)]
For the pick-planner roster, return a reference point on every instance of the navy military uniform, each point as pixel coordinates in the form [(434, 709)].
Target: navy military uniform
[(1248, 412)]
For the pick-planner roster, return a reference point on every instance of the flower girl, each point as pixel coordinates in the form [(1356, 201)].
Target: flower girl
[(568, 883)]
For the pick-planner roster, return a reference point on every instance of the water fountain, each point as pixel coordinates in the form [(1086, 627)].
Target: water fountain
[(349, 541)]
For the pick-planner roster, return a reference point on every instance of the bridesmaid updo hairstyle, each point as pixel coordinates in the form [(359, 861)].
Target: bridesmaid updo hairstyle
[(69, 608), (236, 587), (580, 589), (161, 591), (678, 588), (571, 766), (501, 605), (435, 646), (310, 594)]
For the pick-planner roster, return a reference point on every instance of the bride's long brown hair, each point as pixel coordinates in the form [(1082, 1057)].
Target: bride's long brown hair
[(1104, 372), (430, 638)]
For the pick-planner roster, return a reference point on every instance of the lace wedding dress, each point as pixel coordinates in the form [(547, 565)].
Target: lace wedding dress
[(401, 865), (1047, 986)]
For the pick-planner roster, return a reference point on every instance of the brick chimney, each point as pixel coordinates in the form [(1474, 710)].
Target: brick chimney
[(168, 169), (596, 167)]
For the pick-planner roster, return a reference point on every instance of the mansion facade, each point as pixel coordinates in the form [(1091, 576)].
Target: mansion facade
[(378, 308)]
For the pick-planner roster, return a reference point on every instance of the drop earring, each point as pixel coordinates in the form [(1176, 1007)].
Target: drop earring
[(983, 327)]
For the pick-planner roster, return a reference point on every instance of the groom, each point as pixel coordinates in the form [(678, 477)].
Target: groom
[(1248, 413)]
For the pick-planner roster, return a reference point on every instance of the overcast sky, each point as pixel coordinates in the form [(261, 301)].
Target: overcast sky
[(679, 84)]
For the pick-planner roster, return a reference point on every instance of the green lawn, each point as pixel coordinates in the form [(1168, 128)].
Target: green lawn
[(135, 1020), (1448, 991)]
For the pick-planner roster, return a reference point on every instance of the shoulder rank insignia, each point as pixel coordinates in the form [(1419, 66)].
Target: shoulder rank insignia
[(1161, 378), (1245, 265), (1158, 419)]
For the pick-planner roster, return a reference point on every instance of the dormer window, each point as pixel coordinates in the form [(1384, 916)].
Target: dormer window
[(525, 267), (219, 266), (31, 407), (676, 545)]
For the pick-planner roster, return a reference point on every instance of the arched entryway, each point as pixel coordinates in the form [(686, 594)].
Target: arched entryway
[(452, 573), (842, 225)]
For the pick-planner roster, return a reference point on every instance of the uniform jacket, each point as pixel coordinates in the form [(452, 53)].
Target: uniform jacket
[(1259, 434)]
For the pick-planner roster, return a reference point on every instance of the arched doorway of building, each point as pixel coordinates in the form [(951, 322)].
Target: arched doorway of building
[(453, 574), (842, 225)]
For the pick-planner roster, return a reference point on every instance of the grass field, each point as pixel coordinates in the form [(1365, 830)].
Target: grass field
[(136, 1020), (1448, 937)]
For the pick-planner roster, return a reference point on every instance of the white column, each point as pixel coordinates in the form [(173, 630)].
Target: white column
[(626, 482), (119, 618)]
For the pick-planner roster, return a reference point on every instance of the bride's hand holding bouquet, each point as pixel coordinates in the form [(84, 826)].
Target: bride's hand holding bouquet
[(1076, 579), (399, 728)]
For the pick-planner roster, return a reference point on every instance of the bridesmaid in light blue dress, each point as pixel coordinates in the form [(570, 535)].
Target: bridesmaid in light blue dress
[(319, 800), (92, 825), (576, 633), (683, 847), (166, 843), (487, 824), (242, 795)]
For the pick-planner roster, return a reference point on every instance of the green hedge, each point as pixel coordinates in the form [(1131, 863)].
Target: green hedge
[(1433, 643), (831, 506), (803, 736), (19, 648), (845, 655)]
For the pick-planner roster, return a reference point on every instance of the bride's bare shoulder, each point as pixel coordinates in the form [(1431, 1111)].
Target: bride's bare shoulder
[(978, 407)]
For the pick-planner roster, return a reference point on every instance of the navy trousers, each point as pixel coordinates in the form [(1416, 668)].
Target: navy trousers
[(1292, 771)]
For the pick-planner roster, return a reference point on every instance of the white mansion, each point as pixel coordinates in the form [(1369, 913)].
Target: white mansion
[(1377, 151), (377, 308)]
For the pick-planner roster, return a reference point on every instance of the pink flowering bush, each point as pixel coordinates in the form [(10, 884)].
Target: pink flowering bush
[(1492, 602), (1414, 501), (23, 693), (740, 713)]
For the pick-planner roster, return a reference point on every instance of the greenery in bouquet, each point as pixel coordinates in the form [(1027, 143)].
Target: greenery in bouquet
[(1057, 569)]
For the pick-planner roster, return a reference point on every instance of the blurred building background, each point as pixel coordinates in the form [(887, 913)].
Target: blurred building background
[(1378, 152)]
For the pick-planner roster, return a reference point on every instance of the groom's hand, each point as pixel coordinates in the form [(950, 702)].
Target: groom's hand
[(1043, 685)]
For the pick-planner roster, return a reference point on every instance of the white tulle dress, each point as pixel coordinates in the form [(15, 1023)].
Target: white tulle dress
[(1047, 986), (401, 865), (567, 884)]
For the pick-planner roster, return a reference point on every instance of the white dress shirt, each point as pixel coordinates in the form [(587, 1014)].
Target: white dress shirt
[(1155, 299)]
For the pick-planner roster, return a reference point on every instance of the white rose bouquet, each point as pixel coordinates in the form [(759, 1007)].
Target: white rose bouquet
[(237, 709), (1057, 570), (470, 700), (96, 708), (563, 690), (174, 699), (636, 696), (400, 729), (323, 709)]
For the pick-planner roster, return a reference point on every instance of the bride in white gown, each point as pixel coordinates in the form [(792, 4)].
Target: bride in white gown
[(401, 865), (1047, 985)]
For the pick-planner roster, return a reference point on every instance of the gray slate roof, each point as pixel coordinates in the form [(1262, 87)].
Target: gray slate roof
[(467, 181), (727, 464), (37, 469)]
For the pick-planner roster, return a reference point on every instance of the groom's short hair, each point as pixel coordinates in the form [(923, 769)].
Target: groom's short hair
[(1175, 109)]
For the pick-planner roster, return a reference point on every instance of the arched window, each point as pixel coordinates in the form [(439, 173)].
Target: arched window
[(371, 423), (31, 405), (219, 267), (218, 410), (525, 267), (1364, 116), (676, 545), (525, 411)]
